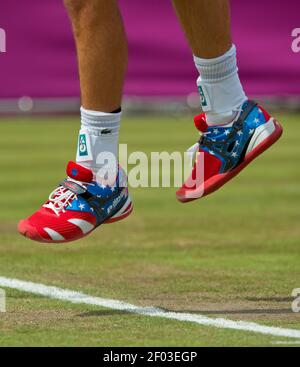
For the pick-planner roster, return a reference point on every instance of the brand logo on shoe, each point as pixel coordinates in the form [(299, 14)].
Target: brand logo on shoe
[(117, 200), (202, 96), (82, 146)]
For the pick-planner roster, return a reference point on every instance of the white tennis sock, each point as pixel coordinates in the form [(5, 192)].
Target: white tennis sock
[(220, 88), (98, 143)]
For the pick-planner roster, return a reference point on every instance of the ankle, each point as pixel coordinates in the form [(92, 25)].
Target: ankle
[(220, 88)]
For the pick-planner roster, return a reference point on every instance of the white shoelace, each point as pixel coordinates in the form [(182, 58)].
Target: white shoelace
[(61, 197)]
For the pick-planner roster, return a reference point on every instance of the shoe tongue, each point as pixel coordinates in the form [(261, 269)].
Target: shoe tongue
[(79, 173), (200, 122)]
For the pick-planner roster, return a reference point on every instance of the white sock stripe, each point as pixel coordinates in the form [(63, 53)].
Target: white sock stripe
[(55, 236), (82, 224)]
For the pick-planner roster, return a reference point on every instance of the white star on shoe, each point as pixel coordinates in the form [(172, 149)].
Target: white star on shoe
[(251, 131), (227, 132), (240, 133), (81, 206), (234, 155), (256, 120), (211, 152), (215, 131)]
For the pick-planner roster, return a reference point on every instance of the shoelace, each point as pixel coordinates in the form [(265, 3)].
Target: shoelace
[(60, 198)]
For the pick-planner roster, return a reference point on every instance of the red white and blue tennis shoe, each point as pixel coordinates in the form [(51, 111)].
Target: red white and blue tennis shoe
[(223, 151), (78, 206)]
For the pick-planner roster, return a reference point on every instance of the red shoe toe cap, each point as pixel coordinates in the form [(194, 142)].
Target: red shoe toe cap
[(29, 231)]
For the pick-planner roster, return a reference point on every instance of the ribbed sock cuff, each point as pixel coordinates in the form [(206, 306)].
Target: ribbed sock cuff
[(219, 68)]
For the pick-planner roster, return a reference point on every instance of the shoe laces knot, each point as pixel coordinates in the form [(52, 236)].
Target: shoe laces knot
[(61, 197)]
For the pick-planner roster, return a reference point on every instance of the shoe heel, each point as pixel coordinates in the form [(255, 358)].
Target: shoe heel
[(263, 133)]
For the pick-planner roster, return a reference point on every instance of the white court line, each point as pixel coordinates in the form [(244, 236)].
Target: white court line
[(78, 297)]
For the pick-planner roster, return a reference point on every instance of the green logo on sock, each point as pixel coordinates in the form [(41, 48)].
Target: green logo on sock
[(82, 147), (202, 96)]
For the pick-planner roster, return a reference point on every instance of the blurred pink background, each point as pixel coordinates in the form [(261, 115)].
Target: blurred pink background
[(40, 60)]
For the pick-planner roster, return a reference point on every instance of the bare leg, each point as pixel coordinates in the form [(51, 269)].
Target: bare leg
[(206, 24), (102, 52), (231, 133), (102, 58)]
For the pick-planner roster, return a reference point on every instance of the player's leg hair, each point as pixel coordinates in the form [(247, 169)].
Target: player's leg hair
[(102, 52), (206, 24)]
